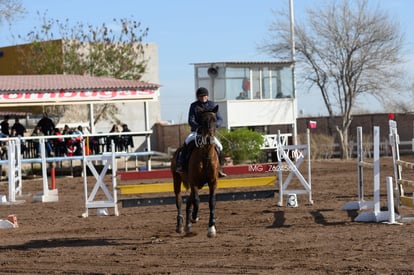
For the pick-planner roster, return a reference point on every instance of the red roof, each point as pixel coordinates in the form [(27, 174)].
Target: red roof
[(16, 83)]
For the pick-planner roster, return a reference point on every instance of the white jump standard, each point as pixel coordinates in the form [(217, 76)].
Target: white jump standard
[(301, 151), (376, 215), (111, 200), (361, 203), (14, 171), (48, 195), (402, 198)]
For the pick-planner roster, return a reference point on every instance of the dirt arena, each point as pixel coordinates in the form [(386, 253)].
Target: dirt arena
[(253, 236)]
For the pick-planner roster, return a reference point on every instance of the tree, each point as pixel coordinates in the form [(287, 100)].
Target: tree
[(346, 49), (86, 49), (10, 9)]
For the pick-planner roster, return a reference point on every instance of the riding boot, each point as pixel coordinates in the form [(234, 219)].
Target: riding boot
[(182, 155)]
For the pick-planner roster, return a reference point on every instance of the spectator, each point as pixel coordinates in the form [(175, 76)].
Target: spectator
[(5, 132), (36, 142), (77, 141), (18, 128), (59, 143), (5, 126), (126, 140), (66, 130), (46, 125), (94, 145), (23, 147), (114, 138)]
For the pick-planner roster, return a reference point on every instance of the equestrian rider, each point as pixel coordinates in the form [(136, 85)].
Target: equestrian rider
[(203, 102)]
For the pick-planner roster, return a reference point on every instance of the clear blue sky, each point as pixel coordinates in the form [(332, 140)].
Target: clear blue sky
[(192, 31)]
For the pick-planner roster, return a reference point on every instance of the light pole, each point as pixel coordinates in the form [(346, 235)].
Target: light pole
[(292, 41)]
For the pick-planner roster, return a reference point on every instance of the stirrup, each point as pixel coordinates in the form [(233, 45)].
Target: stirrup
[(222, 174), (179, 169)]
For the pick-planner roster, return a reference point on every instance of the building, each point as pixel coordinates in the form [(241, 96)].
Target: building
[(257, 95), (133, 114)]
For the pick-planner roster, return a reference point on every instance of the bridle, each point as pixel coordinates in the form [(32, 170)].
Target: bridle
[(207, 129)]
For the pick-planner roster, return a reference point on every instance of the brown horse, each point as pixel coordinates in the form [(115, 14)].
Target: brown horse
[(203, 169)]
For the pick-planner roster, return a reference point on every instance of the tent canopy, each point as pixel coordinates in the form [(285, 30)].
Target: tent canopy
[(18, 91)]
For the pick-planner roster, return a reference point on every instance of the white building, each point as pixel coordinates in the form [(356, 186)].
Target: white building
[(258, 95)]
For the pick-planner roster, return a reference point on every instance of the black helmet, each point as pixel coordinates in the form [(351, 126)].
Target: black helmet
[(202, 92)]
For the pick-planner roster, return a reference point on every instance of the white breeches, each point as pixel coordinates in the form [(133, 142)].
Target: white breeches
[(193, 135)]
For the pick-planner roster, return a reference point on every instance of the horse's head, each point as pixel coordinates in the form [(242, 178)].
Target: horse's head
[(208, 120)]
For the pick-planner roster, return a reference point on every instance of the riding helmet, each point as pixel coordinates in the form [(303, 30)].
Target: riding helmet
[(202, 92)]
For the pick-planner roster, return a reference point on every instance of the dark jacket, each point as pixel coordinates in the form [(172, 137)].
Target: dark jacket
[(19, 128), (193, 120), (5, 127), (46, 126)]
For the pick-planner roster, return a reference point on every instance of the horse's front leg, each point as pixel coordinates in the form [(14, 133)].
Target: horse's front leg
[(212, 205), (196, 206)]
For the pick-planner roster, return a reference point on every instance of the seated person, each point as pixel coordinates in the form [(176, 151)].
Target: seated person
[(242, 95)]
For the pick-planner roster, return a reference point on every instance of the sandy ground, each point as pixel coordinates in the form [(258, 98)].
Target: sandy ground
[(253, 236)]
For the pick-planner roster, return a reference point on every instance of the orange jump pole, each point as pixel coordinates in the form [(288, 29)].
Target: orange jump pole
[(52, 175)]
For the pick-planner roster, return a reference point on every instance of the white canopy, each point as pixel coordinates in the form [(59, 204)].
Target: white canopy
[(35, 90)]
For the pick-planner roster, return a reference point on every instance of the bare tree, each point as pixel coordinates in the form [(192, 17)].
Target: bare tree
[(345, 49), (10, 9)]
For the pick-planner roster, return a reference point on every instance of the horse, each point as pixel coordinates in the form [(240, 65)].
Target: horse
[(203, 169)]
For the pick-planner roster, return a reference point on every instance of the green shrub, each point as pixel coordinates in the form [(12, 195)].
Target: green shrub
[(242, 145)]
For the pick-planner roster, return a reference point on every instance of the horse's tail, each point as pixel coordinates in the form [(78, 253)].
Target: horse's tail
[(186, 185)]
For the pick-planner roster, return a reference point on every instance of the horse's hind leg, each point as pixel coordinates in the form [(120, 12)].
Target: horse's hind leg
[(180, 219), (188, 213), (178, 203), (180, 223)]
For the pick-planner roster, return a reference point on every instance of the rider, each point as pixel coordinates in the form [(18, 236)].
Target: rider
[(203, 102)]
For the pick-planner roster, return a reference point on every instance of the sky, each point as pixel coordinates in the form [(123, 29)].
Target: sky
[(192, 31)]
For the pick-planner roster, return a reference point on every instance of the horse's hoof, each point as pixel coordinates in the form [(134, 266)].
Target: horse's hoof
[(180, 224), (188, 229), (179, 229), (195, 220), (211, 231)]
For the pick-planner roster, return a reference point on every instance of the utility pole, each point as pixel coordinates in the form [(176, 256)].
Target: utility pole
[(292, 41)]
